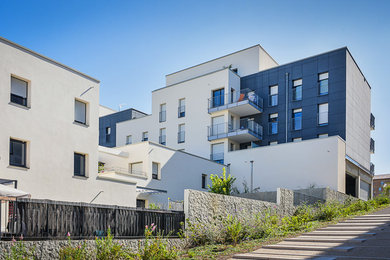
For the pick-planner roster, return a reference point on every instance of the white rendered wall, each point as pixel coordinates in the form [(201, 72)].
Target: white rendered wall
[(358, 111), (292, 165), (103, 111), (48, 128), (247, 61), (179, 170)]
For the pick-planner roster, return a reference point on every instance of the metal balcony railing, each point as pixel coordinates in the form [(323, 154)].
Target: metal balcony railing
[(122, 171), (181, 137), (162, 139), (163, 116), (236, 97), (372, 122), (372, 168), (372, 145), (222, 130), (181, 111)]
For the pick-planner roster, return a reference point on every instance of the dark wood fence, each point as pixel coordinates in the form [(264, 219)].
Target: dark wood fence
[(41, 219)]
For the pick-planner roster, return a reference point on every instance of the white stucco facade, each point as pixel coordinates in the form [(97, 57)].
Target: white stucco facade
[(176, 171), (48, 128)]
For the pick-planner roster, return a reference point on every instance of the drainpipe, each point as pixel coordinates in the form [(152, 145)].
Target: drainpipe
[(286, 104)]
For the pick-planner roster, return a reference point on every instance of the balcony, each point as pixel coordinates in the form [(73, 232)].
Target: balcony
[(246, 131), (372, 168), (372, 122), (372, 145), (243, 103), (122, 174)]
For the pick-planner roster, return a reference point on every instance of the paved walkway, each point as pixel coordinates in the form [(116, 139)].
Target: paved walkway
[(363, 237)]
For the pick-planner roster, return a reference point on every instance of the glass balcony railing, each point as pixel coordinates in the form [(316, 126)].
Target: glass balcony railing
[(237, 98), (224, 130), (104, 169)]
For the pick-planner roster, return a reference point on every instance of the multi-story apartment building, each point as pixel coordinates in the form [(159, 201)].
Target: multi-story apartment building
[(296, 125), (49, 131)]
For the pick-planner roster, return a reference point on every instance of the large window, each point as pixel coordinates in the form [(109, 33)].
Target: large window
[(297, 90), (273, 95), (17, 153), (323, 83), (217, 152), (297, 119), (79, 164), (19, 90), (162, 138), (145, 136), (218, 98), (80, 112), (273, 123), (182, 108), (163, 113), (323, 114), (155, 171), (181, 134)]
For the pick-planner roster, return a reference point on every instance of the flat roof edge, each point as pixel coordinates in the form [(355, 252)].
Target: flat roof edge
[(40, 56)]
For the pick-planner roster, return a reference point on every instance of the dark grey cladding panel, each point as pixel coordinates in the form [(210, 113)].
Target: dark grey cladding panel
[(308, 69)]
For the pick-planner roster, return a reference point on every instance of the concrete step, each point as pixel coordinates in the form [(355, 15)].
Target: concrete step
[(339, 233), (310, 244), (359, 224), (280, 257), (353, 228), (317, 247), (265, 253), (344, 239)]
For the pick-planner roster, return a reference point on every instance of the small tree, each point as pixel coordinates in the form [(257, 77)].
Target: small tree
[(221, 184)]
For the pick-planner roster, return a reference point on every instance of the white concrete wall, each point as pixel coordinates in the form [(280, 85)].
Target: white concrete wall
[(292, 165), (179, 170), (103, 111), (247, 61), (358, 111), (48, 127)]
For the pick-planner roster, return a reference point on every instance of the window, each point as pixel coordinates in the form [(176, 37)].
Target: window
[(273, 95), (297, 90), (19, 91), (204, 181), (141, 203), (297, 119), (181, 134), (298, 139), (145, 136), (217, 152), (232, 147), (129, 139), (218, 98), (136, 168), (273, 143), (80, 112), (108, 130), (322, 135), (323, 114), (79, 164), (162, 138), (17, 153), (323, 83), (163, 113), (155, 171), (182, 108), (273, 123)]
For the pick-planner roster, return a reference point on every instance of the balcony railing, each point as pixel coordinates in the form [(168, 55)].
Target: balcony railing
[(372, 145), (372, 122), (163, 116), (224, 130), (162, 139), (372, 168), (122, 171), (181, 137), (236, 98), (181, 111)]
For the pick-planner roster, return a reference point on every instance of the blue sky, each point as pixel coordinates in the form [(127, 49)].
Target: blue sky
[(131, 45)]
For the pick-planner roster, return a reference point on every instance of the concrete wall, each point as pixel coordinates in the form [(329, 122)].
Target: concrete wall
[(358, 109), (47, 125), (247, 61), (104, 111), (179, 170), (205, 206), (292, 165)]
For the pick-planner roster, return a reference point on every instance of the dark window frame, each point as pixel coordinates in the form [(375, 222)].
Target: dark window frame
[(294, 116), (15, 99), (204, 181), (221, 97), (294, 90), (85, 112), (82, 173), (319, 84), (24, 151), (155, 175)]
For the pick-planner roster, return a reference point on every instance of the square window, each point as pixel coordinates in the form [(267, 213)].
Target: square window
[(80, 115), (17, 153), (136, 168), (19, 89), (79, 164)]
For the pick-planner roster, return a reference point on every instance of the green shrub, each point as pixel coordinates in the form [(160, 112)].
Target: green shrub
[(107, 249), (155, 247), (221, 184), (19, 251), (70, 252), (233, 230), (327, 211)]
